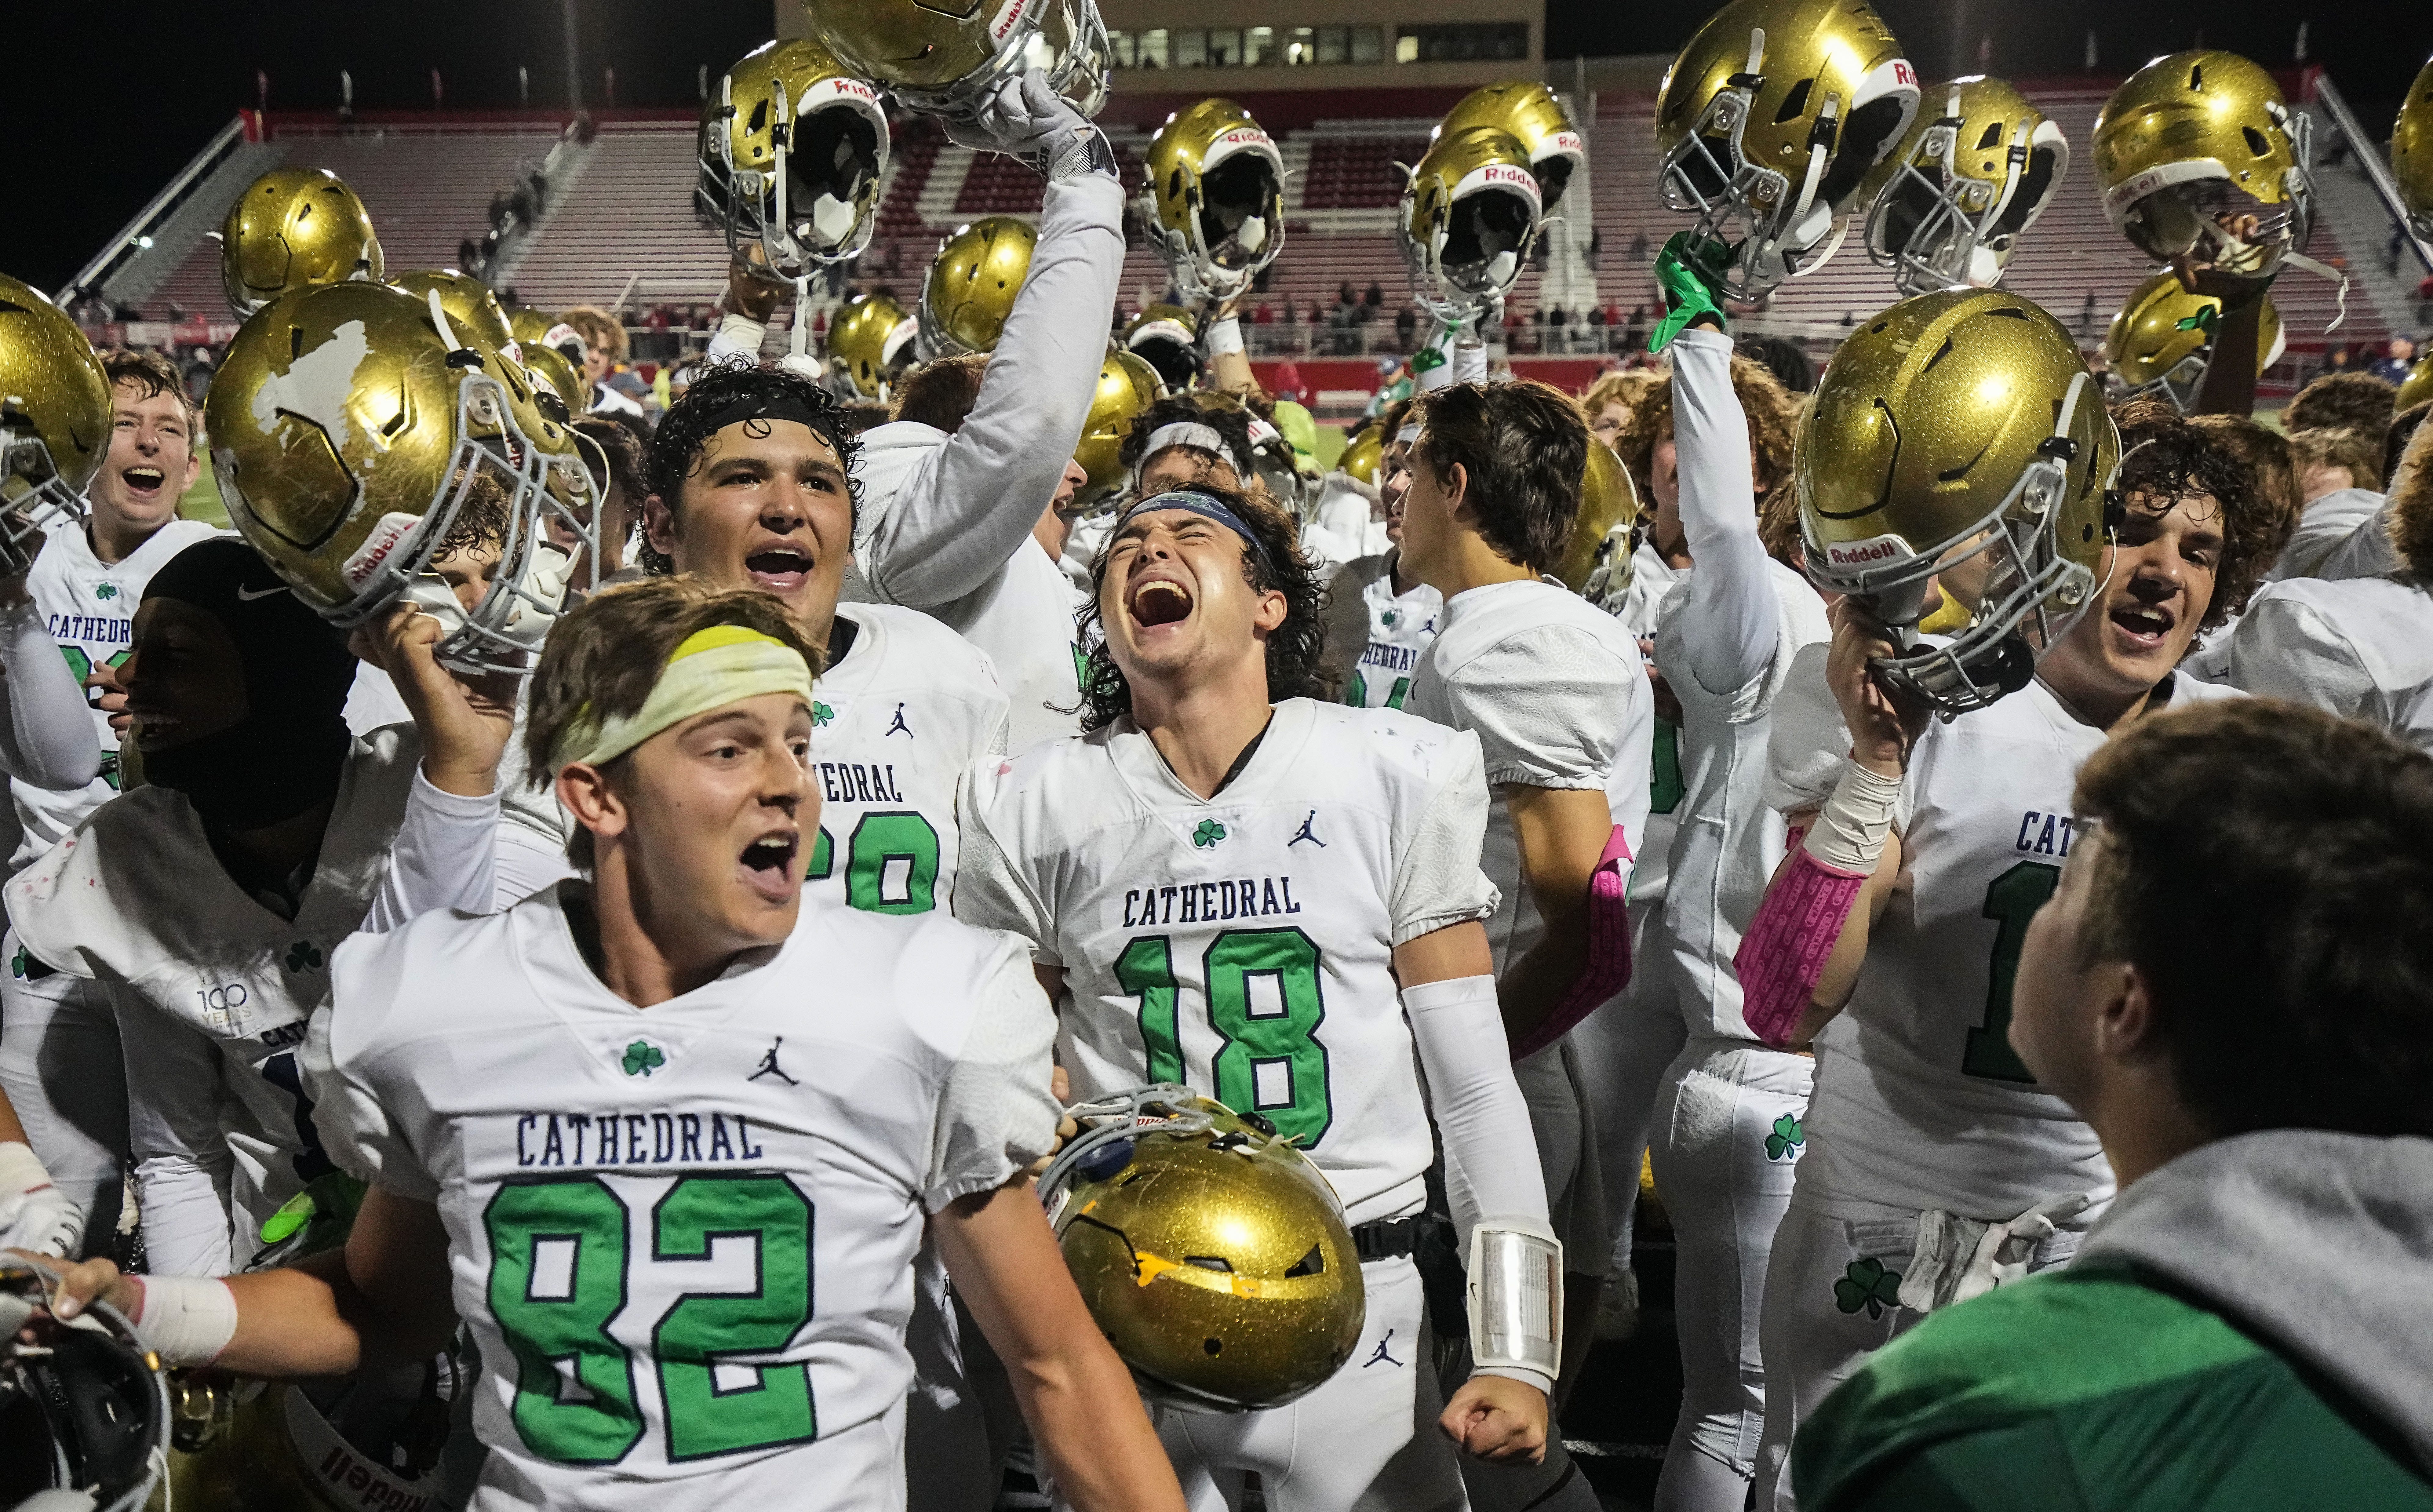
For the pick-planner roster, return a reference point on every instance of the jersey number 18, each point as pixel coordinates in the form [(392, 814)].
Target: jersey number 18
[(1269, 1061)]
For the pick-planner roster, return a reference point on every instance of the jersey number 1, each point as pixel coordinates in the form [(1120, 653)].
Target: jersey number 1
[(559, 1277), (1271, 1040), (2011, 901)]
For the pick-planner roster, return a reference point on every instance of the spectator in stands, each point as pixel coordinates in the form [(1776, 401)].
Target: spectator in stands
[(468, 255), (1406, 328), (603, 355), (2336, 360), (2343, 402), (1344, 295), (1635, 334), (1264, 315), (1597, 245), (1638, 249), (1375, 297), (2397, 358)]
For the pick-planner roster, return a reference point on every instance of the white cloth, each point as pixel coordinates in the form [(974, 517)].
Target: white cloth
[(2323, 525), (62, 1070), (89, 609), (1345, 524), (212, 990), (1243, 945), (2365, 551), (607, 400), (2361, 648), (782, 1131), (1389, 629), (945, 520)]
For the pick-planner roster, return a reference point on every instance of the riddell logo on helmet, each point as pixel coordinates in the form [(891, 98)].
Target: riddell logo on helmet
[(387, 536), (1007, 19), (1243, 136), (1494, 175), (1867, 553), (828, 88)]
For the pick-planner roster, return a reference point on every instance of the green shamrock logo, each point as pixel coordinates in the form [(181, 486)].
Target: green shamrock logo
[(821, 714), (1867, 1285), (1787, 1136), (303, 956), (106, 591), (643, 1058), (17, 964), (1208, 834), (1391, 617)]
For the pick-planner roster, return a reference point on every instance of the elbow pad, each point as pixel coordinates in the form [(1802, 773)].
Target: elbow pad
[(1516, 1297)]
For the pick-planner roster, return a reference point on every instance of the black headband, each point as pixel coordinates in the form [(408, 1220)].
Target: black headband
[(784, 404), (1207, 506)]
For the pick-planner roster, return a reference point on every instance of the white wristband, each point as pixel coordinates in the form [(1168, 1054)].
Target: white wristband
[(186, 1319), (1851, 829), (1225, 336)]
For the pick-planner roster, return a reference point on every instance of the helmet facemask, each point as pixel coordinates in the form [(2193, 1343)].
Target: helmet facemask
[(1938, 229), (34, 495), (815, 204), (1065, 39), (1235, 228), (2191, 212)]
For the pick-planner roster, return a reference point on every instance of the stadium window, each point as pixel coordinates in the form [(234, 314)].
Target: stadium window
[(1120, 44), (1259, 46), (1463, 42), (1152, 48), (1368, 44), (1190, 49), (1225, 50), (1406, 48), (1334, 44), (1303, 47)]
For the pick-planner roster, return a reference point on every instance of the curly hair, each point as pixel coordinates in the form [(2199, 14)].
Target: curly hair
[(1296, 649), (685, 430), (2343, 402), (2166, 459), (1772, 414), (2263, 451)]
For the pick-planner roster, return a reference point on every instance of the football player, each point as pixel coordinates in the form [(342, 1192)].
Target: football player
[(666, 1142), (1238, 885), (1935, 1167), (1726, 1125), (207, 901), (1557, 693), (1380, 618), (59, 1057)]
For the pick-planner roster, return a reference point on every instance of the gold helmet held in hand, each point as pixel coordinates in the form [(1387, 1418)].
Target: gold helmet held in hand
[(1530, 114), (1596, 563), (945, 57), (1219, 182), (55, 420), (870, 344), (1467, 220), (792, 147), (1213, 1254), (1946, 209), (1127, 388), (2193, 148), (2411, 152), (357, 434), (971, 285), (292, 229), (1958, 436), (2162, 339), (1768, 122)]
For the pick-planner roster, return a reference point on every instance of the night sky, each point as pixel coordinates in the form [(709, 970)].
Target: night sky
[(120, 96)]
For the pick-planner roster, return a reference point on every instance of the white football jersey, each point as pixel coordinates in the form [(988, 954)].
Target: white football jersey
[(2360, 648), (136, 899), (89, 610), (1400, 627), (683, 1236), (1557, 691), (1243, 945), (1727, 842), (1919, 1100)]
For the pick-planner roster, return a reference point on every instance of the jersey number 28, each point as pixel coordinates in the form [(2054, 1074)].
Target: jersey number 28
[(559, 1276)]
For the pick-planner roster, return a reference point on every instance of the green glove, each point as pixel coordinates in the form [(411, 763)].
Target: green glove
[(1689, 276)]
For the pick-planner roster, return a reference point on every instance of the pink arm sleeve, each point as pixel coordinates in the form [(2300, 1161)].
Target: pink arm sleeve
[(1784, 951), (1609, 967)]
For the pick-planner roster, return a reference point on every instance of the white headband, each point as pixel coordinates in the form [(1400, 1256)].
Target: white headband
[(1406, 435), (1186, 433)]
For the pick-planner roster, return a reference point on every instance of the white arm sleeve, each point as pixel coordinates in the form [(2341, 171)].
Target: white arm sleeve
[(738, 340), (996, 1115), (444, 856), (1728, 624), (182, 1162), (1436, 879), (46, 734), (1490, 1155), (973, 503)]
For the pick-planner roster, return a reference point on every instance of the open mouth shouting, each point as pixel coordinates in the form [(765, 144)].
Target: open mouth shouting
[(767, 865), (1158, 601), (142, 481), (2142, 628), (780, 566)]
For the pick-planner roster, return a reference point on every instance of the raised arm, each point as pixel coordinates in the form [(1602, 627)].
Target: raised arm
[(444, 855), (46, 734), (1728, 620)]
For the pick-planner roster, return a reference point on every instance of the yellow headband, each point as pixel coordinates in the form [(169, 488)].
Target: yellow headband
[(721, 665)]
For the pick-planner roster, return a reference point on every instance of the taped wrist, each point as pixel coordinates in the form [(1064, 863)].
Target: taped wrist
[(1225, 337), (1516, 1297), (21, 1170), (187, 1319), (1850, 830)]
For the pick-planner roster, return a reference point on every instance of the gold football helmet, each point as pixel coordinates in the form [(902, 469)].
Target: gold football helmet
[(1946, 209), (1767, 124), (291, 228), (1127, 388), (945, 57), (472, 309), (793, 148), (352, 425), (1955, 426), (1363, 457), (1166, 338), (1596, 564), (55, 420), (2411, 152), (1219, 182), (1467, 220), (2417, 386), (1531, 115), (2195, 141), (972, 283), (870, 344), (1213, 1254), (554, 374), (2160, 341)]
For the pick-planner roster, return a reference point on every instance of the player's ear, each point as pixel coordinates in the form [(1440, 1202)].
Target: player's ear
[(660, 525), (592, 799)]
